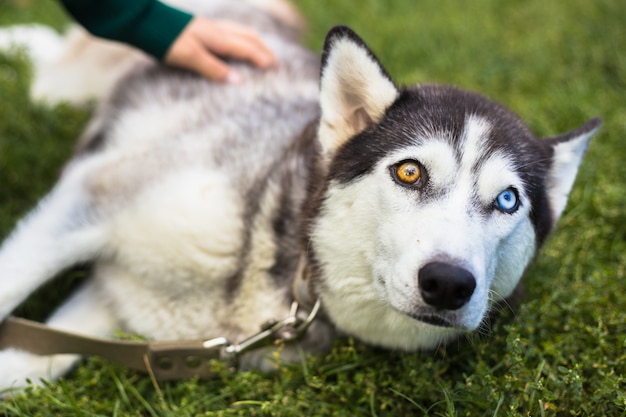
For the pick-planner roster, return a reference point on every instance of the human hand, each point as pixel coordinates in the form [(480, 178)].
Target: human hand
[(198, 46)]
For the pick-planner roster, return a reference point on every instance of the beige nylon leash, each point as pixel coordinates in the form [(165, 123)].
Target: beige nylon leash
[(163, 360)]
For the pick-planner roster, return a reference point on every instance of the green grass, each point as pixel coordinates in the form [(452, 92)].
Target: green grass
[(563, 352)]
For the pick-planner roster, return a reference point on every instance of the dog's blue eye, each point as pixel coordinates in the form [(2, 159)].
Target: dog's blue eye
[(507, 200)]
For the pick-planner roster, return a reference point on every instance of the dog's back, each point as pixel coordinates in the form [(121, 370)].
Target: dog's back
[(216, 171), (186, 193)]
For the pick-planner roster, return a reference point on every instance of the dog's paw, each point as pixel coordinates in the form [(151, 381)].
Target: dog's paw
[(19, 367)]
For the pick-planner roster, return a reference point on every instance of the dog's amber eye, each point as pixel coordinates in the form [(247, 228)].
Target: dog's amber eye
[(408, 172)]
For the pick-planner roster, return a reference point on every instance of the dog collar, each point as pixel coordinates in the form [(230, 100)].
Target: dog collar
[(301, 285)]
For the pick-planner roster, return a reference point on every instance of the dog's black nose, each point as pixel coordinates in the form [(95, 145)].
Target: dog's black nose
[(445, 286)]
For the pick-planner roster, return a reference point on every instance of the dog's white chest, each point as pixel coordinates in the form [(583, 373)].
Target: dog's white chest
[(187, 225)]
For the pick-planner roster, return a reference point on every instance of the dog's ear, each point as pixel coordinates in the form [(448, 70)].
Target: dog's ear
[(355, 88), (569, 149)]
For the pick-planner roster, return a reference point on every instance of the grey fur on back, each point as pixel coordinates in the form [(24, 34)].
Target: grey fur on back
[(260, 135)]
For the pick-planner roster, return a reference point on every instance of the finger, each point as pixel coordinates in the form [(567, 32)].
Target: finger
[(238, 30), (244, 49), (236, 41), (213, 68), (189, 53)]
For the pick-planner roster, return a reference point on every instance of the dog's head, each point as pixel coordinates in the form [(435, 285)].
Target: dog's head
[(434, 203)]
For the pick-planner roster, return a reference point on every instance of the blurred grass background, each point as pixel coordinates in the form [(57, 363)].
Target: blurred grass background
[(563, 352)]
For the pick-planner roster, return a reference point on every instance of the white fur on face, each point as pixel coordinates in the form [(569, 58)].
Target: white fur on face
[(371, 286), (514, 235)]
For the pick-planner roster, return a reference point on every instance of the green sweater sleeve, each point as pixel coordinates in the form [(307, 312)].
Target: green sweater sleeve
[(145, 24)]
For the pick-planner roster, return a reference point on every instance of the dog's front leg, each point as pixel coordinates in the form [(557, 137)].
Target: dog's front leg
[(62, 231), (86, 312)]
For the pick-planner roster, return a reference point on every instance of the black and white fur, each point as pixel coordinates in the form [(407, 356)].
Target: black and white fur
[(194, 200)]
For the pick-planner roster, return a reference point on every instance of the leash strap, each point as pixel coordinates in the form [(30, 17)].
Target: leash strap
[(165, 361)]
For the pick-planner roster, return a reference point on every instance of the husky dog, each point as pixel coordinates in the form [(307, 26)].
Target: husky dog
[(415, 209)]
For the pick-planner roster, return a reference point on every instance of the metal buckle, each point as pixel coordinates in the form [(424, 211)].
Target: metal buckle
[(170, 361), (288, 329)]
